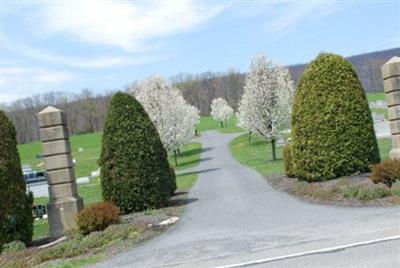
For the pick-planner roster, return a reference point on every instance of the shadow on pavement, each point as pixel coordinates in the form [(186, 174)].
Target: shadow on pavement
[(198, 171)]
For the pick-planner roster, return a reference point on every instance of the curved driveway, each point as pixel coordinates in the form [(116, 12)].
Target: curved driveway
[(235, 216)]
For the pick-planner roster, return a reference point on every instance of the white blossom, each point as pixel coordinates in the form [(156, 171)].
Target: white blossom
[(265, 107), (220, 110), (173, 117)]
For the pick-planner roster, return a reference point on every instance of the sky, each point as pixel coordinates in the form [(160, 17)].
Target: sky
[(106, 45)]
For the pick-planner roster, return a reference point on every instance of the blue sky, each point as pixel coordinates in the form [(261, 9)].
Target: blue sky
[(106, 45)]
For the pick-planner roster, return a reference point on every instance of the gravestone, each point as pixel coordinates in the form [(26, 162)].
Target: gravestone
[(391, 83), (65, 201)]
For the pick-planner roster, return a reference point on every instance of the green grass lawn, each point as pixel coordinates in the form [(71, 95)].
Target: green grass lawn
[(208, 123), (86, 160), (376, 96), (258, 154)]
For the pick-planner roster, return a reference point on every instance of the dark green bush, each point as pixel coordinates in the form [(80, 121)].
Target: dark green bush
[(97, 217), (332, 128), (172, 180), (16, 220), (288, 161), (135, 173), (387, 172)]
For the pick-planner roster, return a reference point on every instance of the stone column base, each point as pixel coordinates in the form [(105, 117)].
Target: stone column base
[(60, 211), (395, 153)]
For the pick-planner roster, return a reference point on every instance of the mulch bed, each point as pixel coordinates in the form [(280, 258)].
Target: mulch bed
[(332, 192)]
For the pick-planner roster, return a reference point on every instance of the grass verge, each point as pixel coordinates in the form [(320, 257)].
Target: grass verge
[(353, 189), (78, 250)]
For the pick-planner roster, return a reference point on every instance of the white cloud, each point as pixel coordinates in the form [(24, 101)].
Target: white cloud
[(285, 18), (127, 25), (97, 62), (18, 82)]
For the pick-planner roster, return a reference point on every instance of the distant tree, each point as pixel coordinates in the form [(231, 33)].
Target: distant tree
[(372, 74), (16, 220), (267, 99), (135, 173), (173, 117), (221, 111)]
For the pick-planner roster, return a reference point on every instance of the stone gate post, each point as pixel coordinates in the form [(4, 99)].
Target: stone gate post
[(65, 201), (391, 83)]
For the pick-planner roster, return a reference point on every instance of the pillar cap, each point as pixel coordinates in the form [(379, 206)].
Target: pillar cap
[(50, 109), (391, 68)]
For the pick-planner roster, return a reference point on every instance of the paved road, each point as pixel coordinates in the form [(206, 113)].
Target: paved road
[(376, 255), (235, 216)]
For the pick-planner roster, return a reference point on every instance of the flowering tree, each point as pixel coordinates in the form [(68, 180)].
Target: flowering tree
[(266, 103), (221, 111), (173, 117)]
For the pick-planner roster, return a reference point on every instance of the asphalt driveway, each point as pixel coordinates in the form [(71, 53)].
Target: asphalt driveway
[(235, 216)]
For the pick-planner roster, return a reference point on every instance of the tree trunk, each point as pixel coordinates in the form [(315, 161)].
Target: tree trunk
[(179, 152), (273, 149), (222, 124), (249, 137), (175, 158)]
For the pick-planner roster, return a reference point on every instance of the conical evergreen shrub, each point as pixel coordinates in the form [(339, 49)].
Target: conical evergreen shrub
[(135, 173), (332, 128), (16, 219)]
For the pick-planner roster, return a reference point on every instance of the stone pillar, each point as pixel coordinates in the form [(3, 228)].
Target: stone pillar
[(65, 201), (391, 83)]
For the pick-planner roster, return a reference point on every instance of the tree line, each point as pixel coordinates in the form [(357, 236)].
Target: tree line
[(87, 110)]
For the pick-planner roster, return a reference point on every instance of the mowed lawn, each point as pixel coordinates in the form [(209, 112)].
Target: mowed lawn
[(85, 150), (208, 123), (376, 96), (257, 155)]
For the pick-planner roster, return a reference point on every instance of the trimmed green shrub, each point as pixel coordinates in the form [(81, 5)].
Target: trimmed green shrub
[(172, 180), (288, 161), (135, 173), (97, 217), (16, 219), (332, 128), (387, 172)]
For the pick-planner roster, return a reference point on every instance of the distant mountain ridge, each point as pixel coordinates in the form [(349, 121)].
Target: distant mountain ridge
[(367, 66), (200, 89)]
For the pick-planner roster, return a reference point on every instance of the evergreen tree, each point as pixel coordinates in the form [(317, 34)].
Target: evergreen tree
[(332, 128), (135, 173), (16, 219)]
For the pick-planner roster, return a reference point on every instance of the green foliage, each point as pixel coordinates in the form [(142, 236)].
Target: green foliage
[(13, 246), (288, 161), (172, 180), (387, 172), (135, 173), (332, 128), (16, 220), (97, 217)]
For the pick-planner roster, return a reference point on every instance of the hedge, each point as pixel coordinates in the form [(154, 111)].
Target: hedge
[(135, 174), (332, 128)]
